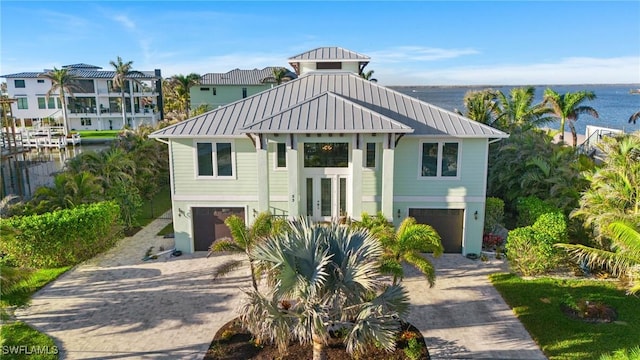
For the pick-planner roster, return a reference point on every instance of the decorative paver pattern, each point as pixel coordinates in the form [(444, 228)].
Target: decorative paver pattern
[(117, 306)]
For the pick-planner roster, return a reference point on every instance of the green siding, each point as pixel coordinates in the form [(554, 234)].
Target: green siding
[(472, 171), (225, 94), (184, 172), (278, 178)]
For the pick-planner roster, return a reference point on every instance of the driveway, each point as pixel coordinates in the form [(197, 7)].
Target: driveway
[(117, 306)]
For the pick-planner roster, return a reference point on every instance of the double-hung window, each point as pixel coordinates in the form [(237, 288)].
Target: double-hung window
[(215, 159), (439, 159)]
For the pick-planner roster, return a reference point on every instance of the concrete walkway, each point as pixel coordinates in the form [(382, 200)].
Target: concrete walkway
[(117, 306)]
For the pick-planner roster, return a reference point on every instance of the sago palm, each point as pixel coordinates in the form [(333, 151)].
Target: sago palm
[(322, 278), (123, 73), (244, 238), (62, 81), (567, 107)]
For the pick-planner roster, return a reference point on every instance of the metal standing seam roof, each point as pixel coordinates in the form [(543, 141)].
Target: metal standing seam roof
[(272, 108), (328, 54), (85, 74), (81, 66), (242, 77)]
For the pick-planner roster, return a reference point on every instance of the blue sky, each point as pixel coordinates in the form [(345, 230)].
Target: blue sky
[(410, 43)]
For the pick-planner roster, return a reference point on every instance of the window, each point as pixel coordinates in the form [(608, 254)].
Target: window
[(326, 155), (23, 103), (281, 155), (439, 159), (370, 160), (40, 81), (244, 93), (329, 66), (19, 83), (204, 89), (214, 91), (84, 121), (215, 159), (42, 103), (52, 103)]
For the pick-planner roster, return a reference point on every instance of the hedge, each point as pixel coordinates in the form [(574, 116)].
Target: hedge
[(530, 208), (61, 238)]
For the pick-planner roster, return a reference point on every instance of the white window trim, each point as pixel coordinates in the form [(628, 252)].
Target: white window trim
[(376, 159), (275, 156), (439, 161), (214, 159)]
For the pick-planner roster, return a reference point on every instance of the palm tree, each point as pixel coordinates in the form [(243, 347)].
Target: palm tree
[(517, 112), (280, 75), (567, 107), (623, 257), (244, 239), (112, 166), (62, 81), (124, 73), (481, 106), (404, 244), (323, 277), (181, 85), (368, 76), (634, 117), (69, 190)]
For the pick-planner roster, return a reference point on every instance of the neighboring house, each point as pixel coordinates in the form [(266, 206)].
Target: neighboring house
[(94, 106), (219, 89), (324, 145)]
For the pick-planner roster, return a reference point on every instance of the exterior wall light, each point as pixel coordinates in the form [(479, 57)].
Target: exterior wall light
[(475, 215)]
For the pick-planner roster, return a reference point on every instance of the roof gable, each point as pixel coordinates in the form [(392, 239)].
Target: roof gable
[(326, 112)]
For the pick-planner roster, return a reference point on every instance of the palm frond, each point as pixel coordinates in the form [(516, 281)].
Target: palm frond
[(224, 245), (422, 264), (227, 267), (616, 262)]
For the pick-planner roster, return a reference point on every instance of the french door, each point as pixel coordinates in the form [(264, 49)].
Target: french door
[(326, 197)]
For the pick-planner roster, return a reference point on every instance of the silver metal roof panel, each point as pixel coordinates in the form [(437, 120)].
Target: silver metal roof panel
[(333, 53)]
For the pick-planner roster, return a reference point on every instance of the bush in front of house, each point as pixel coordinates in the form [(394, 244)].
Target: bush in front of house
[(530, 249), (493, 213), (63, 237), (530, 208)]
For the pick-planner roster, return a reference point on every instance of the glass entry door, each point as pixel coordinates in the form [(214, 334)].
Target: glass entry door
[(326, 197)]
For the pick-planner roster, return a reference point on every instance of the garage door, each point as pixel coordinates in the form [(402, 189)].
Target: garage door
[(447, 222), (208, 225)]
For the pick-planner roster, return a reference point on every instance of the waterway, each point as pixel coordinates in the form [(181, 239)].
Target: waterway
[(22, 174)]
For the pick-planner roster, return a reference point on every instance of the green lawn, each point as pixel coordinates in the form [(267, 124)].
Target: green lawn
[(15, 335), (537, 305), (98, 134)]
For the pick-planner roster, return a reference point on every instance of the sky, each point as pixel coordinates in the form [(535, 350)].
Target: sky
[(409, 42)]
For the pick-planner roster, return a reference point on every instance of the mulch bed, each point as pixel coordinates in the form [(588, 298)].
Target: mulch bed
[(232, 342), (590, 311)]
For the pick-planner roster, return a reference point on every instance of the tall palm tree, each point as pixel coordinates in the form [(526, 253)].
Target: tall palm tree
[(517, 112), (62, 81), (124, 72), (567, 107), (322, 277), (481, 106), (281, 75), (244, 239), (404, 244), (181, 85)]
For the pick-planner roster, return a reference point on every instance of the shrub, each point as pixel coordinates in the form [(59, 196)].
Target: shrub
[(493, 213), (530, 208), (63, 237), (530, 249)]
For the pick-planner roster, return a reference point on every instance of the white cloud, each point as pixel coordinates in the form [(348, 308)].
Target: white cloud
[(403, 54), (577, 70), (125, 21)]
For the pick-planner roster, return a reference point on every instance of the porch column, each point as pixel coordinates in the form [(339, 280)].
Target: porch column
[(388, 154), (293, 170), (354, 207), (263, 173)]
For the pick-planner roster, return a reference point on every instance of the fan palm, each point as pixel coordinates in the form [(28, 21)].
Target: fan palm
[(124, 73), (244, 238), (567, 107), (62, 81), (322, 278)]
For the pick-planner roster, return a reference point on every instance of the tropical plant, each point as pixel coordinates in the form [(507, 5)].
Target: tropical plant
[(280, 75), (243, 239), (567, 107), (622, 258), (62, 81), (68, 191), (405, 244), (481, 106), (328, 276), (634, 117), (123, 74), (181, 85), (368, 76), (112, 166), (516, 112)]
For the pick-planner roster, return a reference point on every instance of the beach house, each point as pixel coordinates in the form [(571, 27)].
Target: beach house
[(218, 89), (95, 104), (325, 145)]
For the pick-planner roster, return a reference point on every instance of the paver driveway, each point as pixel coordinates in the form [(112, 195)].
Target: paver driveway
[(117, 306)]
